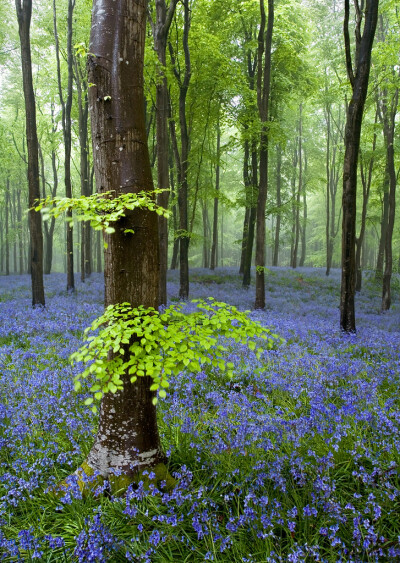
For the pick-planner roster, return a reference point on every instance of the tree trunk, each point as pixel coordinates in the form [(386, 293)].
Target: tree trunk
[(359, 83), (303, 227), (300, 187), (66, 106), (83, 115), (278, 204), (366, 185), (160, 34), (214, 248), (7, 228), (175, 250), (183, 158), (24, 13), (252, 218), (127, 439), (389, 123), (263, 90)]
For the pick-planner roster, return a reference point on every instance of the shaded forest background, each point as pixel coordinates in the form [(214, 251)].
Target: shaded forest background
[(211, 70)]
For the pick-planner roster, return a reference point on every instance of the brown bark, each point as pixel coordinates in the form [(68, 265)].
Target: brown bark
[(359, 83), (263, 91), (127, 439), (24, 13)]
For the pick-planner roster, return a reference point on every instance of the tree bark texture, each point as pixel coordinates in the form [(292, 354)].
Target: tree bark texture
[(24, 13), (359, 83), (127, 439)]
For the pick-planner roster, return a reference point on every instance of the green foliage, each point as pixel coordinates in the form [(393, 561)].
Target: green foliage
[(144, 342), (100, 209)]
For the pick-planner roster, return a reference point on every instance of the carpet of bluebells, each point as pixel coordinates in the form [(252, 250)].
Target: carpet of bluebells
[(296, 458)]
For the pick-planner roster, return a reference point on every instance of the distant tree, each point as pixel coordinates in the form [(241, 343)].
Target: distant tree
[(358, 77), (24, 14), (263, 91), (160, 28), (66, 105)]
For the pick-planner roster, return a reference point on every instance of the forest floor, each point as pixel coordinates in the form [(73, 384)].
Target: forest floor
[(296, 458)]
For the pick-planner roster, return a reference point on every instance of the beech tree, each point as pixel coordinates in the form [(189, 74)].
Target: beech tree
[(127, 434), (160, 29), (24, 14), (358, 77), (263, 89)]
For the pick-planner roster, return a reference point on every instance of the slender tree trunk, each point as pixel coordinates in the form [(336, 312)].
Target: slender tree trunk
[(278, 204), (389, 123), (329, 241), (161, 27), (214, 248), (359, 83), (183, 158), (98, 253), (175, 250), (303, 227), (83, 115), (299, 189), (66, 106), (263, 91), (127, 438), (366, 185), (7, 227), (252, 218), (24, 13)]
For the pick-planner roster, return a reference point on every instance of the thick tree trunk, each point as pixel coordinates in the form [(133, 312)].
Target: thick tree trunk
[(359, 83), (24, 13), (127, 439)]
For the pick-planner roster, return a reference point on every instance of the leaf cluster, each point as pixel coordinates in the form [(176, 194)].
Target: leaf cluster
[(101, 210), (139, 342)]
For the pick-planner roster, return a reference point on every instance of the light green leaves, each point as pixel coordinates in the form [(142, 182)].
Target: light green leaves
[(128, 342), (101, 210)]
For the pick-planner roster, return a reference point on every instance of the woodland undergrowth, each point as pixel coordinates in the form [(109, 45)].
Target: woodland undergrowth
[(294, 458)]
